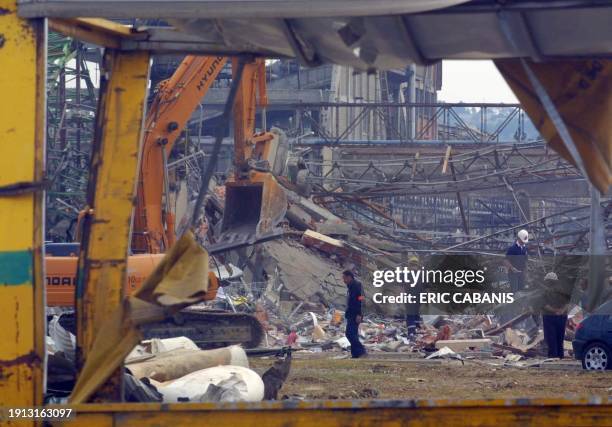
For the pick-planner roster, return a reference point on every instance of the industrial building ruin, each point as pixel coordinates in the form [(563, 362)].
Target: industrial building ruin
[(211, 206)]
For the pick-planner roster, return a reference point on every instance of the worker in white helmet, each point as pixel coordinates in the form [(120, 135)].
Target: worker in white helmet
[(516, 261)]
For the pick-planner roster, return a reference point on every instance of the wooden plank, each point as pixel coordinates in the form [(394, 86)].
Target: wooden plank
[(446, 159)]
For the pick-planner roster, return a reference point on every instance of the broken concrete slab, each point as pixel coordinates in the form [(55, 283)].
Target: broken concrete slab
[(316, 211), (461, 345), (299, 218), (300, 274), (335, 228), (323, 243)]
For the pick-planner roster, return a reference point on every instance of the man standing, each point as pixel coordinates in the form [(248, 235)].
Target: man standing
[(516, 261), (554, 315), (413, 315), (353, 313)]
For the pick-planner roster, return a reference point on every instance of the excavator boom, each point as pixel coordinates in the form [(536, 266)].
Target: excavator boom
[(253, 183), (177, 98), (254, 203)]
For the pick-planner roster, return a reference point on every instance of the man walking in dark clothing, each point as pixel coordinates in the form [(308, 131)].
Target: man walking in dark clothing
[(413, 315), (516, 261), (353, 313), (554, 315)]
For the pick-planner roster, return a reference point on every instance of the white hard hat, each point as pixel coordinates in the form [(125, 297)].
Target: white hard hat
[(523, 235), (551, 276)]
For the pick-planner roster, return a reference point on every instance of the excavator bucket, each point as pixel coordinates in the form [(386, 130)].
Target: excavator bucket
[(253, 208)]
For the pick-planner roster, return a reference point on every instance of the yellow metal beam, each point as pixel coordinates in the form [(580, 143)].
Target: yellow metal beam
[(101, 32), (22, 140), (110, 196), (418, 413)]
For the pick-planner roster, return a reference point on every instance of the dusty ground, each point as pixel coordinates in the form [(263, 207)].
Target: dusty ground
[(326, 378)]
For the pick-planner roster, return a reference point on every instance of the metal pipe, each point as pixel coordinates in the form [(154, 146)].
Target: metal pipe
[(219, 133)]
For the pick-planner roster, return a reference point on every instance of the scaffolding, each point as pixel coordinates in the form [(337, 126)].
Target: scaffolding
[(71, 105)]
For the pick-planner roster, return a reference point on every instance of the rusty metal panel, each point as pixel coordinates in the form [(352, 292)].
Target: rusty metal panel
[(421, 413), (110, 195), (581, 92)]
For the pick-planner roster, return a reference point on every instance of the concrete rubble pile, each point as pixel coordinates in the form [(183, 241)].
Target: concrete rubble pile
[(301, 298), (302, 271), (471, 337)]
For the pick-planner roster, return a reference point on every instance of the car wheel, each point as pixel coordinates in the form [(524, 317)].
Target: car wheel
[(597, 357)]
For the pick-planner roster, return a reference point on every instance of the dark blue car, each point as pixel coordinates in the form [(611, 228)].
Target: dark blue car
[(593, 341)]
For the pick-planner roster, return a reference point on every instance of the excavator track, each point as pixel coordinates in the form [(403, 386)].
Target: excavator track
[(207, 328), (210, 329)]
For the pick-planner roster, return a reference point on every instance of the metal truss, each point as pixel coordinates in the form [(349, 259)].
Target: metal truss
[(470, 201), (338, 122), (489, 168)]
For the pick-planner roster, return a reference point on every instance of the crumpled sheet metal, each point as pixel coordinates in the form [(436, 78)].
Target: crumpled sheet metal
[(581, 91), (179, 280), (372, 39), (314, 40), (64, 341)]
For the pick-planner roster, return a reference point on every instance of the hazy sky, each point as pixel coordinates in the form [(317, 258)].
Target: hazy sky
[(473, 81)]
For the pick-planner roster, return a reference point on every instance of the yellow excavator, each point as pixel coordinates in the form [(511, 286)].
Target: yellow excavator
[(254, 201)]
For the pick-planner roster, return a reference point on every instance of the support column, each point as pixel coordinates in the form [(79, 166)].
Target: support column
[(597, 253), (328, 160), (110, 196), (22, 145)]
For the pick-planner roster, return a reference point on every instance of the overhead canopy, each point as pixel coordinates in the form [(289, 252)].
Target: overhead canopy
[(362, 33), (383, 34)]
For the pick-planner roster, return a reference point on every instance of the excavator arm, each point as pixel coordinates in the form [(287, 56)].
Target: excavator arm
[(251, 94), (177, 98), (254, 203)]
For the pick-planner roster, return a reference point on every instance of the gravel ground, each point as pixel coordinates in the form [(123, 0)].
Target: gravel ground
[(380, 378)]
